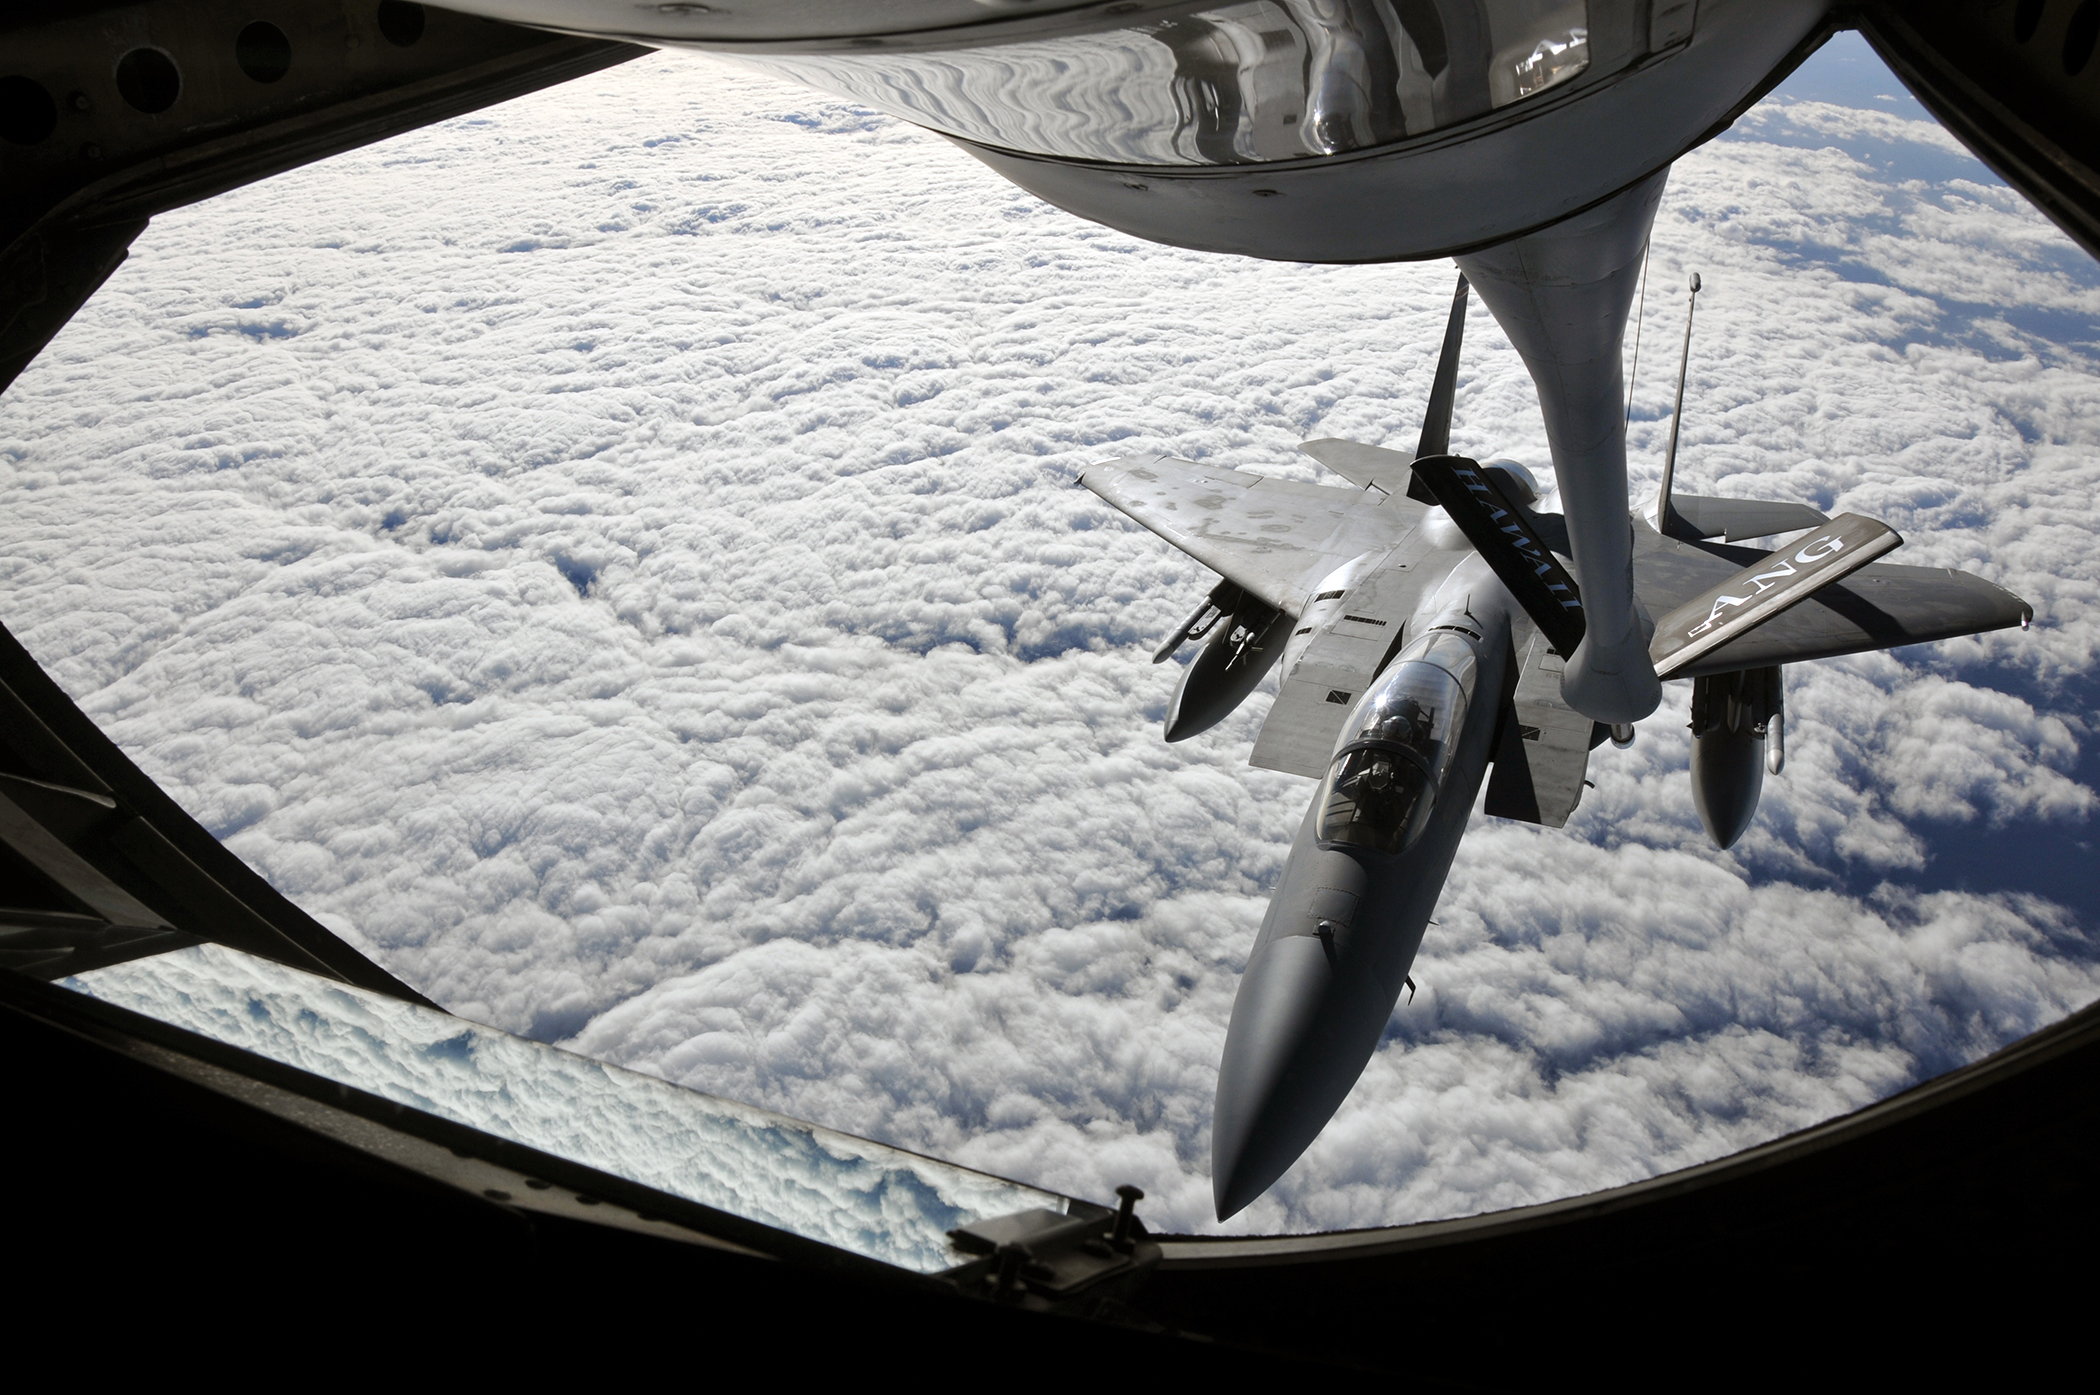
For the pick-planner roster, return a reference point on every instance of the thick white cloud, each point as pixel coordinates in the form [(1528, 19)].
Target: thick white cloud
[(614, 558)]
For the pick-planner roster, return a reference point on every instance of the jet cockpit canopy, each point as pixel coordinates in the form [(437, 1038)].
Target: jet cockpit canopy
[(1398, 745)]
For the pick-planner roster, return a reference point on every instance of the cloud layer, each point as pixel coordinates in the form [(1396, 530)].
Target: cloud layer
[(614, 557)]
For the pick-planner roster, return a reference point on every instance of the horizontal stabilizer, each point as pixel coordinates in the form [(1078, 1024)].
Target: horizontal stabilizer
[(1510, 543), (1767, 588), (1368, 467), (1699, 517)]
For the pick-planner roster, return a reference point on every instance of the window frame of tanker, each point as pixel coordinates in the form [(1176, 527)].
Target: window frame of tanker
[(152, 1162), (1982, 1170)]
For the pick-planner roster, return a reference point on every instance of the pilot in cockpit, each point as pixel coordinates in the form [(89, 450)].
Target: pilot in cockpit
[(1383, 782)]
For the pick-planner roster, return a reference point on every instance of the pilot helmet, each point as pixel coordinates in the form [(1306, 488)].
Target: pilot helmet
[(1517, 481)]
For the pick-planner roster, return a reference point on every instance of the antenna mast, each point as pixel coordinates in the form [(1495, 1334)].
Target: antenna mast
[(1666, 520)]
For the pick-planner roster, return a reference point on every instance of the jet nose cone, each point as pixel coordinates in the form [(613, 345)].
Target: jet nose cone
[(1234, 1194), (1270, 1102)]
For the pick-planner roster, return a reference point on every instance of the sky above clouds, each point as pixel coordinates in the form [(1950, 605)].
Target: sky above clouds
[(615, 558)]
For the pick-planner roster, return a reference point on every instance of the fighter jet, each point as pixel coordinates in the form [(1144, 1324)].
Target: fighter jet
[(1421, 613)]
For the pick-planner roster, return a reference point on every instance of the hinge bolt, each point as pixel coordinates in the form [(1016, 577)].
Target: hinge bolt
[(1126, 1217), (1012, 1255)]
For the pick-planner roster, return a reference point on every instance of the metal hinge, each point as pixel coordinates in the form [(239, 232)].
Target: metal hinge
[(1043, 1259)]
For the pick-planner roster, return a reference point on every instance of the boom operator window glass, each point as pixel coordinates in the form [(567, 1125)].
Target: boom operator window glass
[(1241, 83), (856, 1195)]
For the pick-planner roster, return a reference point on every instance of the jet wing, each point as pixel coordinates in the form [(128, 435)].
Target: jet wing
[(1766, 589), (1274, 538), (1883, 605)]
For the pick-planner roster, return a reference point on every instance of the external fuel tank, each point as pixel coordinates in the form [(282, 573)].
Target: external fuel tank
[(1241, 650), (1732, 715)]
